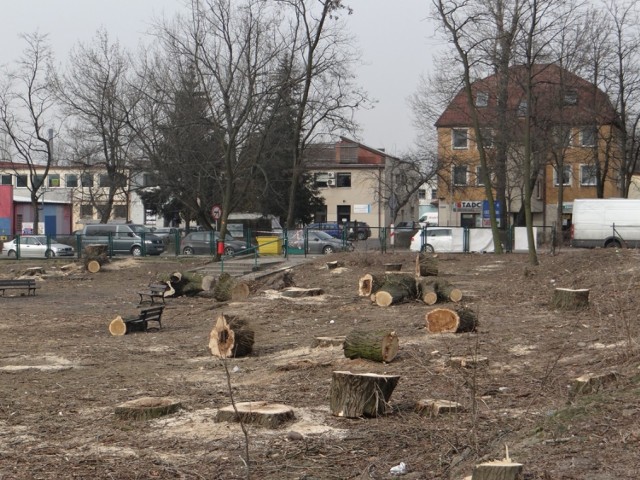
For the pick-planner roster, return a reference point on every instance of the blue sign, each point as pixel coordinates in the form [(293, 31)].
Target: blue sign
[(485, 211)]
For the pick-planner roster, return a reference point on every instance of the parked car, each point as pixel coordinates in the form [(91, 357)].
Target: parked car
[(319, 242), (407, 226), (123, 237), (167, 234), (205, 243), (332, 228), (433, 239), (357, 230), (36, 246)]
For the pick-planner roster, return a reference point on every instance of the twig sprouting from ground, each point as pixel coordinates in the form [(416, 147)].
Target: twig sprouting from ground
[(245, 432)]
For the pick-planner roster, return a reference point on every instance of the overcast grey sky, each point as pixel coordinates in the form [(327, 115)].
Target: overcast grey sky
[(394, 36)]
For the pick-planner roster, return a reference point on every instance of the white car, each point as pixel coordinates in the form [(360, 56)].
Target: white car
[(36, 246), (432, 239)]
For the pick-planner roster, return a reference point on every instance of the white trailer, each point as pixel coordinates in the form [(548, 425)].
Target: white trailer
[(610, 222)]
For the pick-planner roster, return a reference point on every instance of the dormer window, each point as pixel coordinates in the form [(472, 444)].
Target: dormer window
[(570, 97), (482, 99), (522, 108)]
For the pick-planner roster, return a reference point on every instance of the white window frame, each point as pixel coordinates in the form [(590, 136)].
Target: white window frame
[(460, 131), (482, 99), (594, 131), (466, 175), (567, 169), (588, 181)]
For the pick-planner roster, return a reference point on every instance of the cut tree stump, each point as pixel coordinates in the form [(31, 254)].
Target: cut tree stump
[(296, 292), (369, 284), (95, 256), (93, 266), (379, 346), (392, 267), (447, 292), (426, 265), (223, 288), (433, 408), (591, 383), (361, 395), (323, 342), (444, 320), (567, 299), (427, 290), (147, 408), (263, 414), (230, 337), (498, 470), (240, 291), (396, 288)]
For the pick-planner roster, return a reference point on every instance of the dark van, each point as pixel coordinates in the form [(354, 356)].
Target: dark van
[(124, 238)]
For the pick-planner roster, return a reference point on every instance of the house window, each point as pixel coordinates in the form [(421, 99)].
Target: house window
[(460, 175), (71, 180), (588, 175), (588, 136), (522, 108), (86, 180), (459, 137), (482, 99), (422, 194), (343, 179), (147, 180), (570, 97), (487, 137), (6, 179), (103, 180), (479, 177), (38, 180), (321, 179), (119, 211), (566, 175), (86, 210), (21, 180), (562, 137), (54, 180)]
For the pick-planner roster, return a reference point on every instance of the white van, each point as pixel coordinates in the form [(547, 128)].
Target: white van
[(611, 222), (430, 217), (123, 238)]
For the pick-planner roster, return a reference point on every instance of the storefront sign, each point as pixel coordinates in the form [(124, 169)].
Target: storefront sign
[(468, 206)]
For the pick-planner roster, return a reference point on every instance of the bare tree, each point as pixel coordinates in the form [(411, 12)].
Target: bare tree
[(27, 116)]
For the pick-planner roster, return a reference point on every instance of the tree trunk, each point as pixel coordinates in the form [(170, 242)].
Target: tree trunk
[(379, 346), (369, 284), (427, 290), (426, 265), (444, 320), (92, 266), (567, 299), (230, 337), (498, 470), (95, 256), (263, 414), (223, 288), (360, 395), (186, 284), (396, 288), (447, 292)]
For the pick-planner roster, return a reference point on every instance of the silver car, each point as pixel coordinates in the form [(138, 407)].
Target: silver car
[(319, 242), (35, 246)]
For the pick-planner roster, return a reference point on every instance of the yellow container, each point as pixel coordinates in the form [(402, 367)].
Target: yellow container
[(269, 245)]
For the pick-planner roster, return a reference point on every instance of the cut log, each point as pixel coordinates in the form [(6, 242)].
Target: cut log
[(433, 408), (426, 265), (263, 414), (96, 250), (93, 266), (427, 290), (397, 287), (323, 342), (295, 292), (147, 408), (230, 337), (223, 288), (447, 292), (280, 280), (240, 291), (392, 267), (117, 327), (369, 284), (186, 284), (498, 470), (379, 346), (361, 395), (444, 320), (567, 299)]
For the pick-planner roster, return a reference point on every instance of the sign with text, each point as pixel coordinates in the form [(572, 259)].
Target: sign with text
[(468, 206)]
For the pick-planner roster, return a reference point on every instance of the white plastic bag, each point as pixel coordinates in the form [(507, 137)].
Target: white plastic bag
[(400, 469)]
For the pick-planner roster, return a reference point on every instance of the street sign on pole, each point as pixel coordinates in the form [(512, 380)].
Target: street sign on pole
[(216, 212)]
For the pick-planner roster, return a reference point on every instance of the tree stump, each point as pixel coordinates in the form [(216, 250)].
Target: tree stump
[(95, 256), (472, 361), (426, 265), (434, 408), (444, 320), (117, 327), (335, 264), (297, 292), (567, 299), (427, 290), (263, 414), (92, 266), (392, 267), (361, 395), (147, 408), (591, 383), (498, 470), (379, 346), (369, 284), (447, 292), (230, 337), (223, 288), (397, 287), (240, 291)]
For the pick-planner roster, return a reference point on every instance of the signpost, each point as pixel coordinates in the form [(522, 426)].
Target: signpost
[(216, 213)]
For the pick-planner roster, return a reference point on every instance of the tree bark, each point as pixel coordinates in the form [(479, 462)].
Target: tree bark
[(379, 346), (230, 337), (426, 265), (567, 299), (447, 292), (396, 288), (427, 290), (369, 284), (498, 470), (360, 395), (95, 256), (444, 320), (263, 414)]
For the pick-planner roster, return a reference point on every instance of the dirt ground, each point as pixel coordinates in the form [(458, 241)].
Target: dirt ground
[(62, 374)]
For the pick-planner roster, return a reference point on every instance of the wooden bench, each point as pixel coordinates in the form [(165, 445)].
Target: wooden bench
[(139, 323), (154, 290), (28, 284)]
